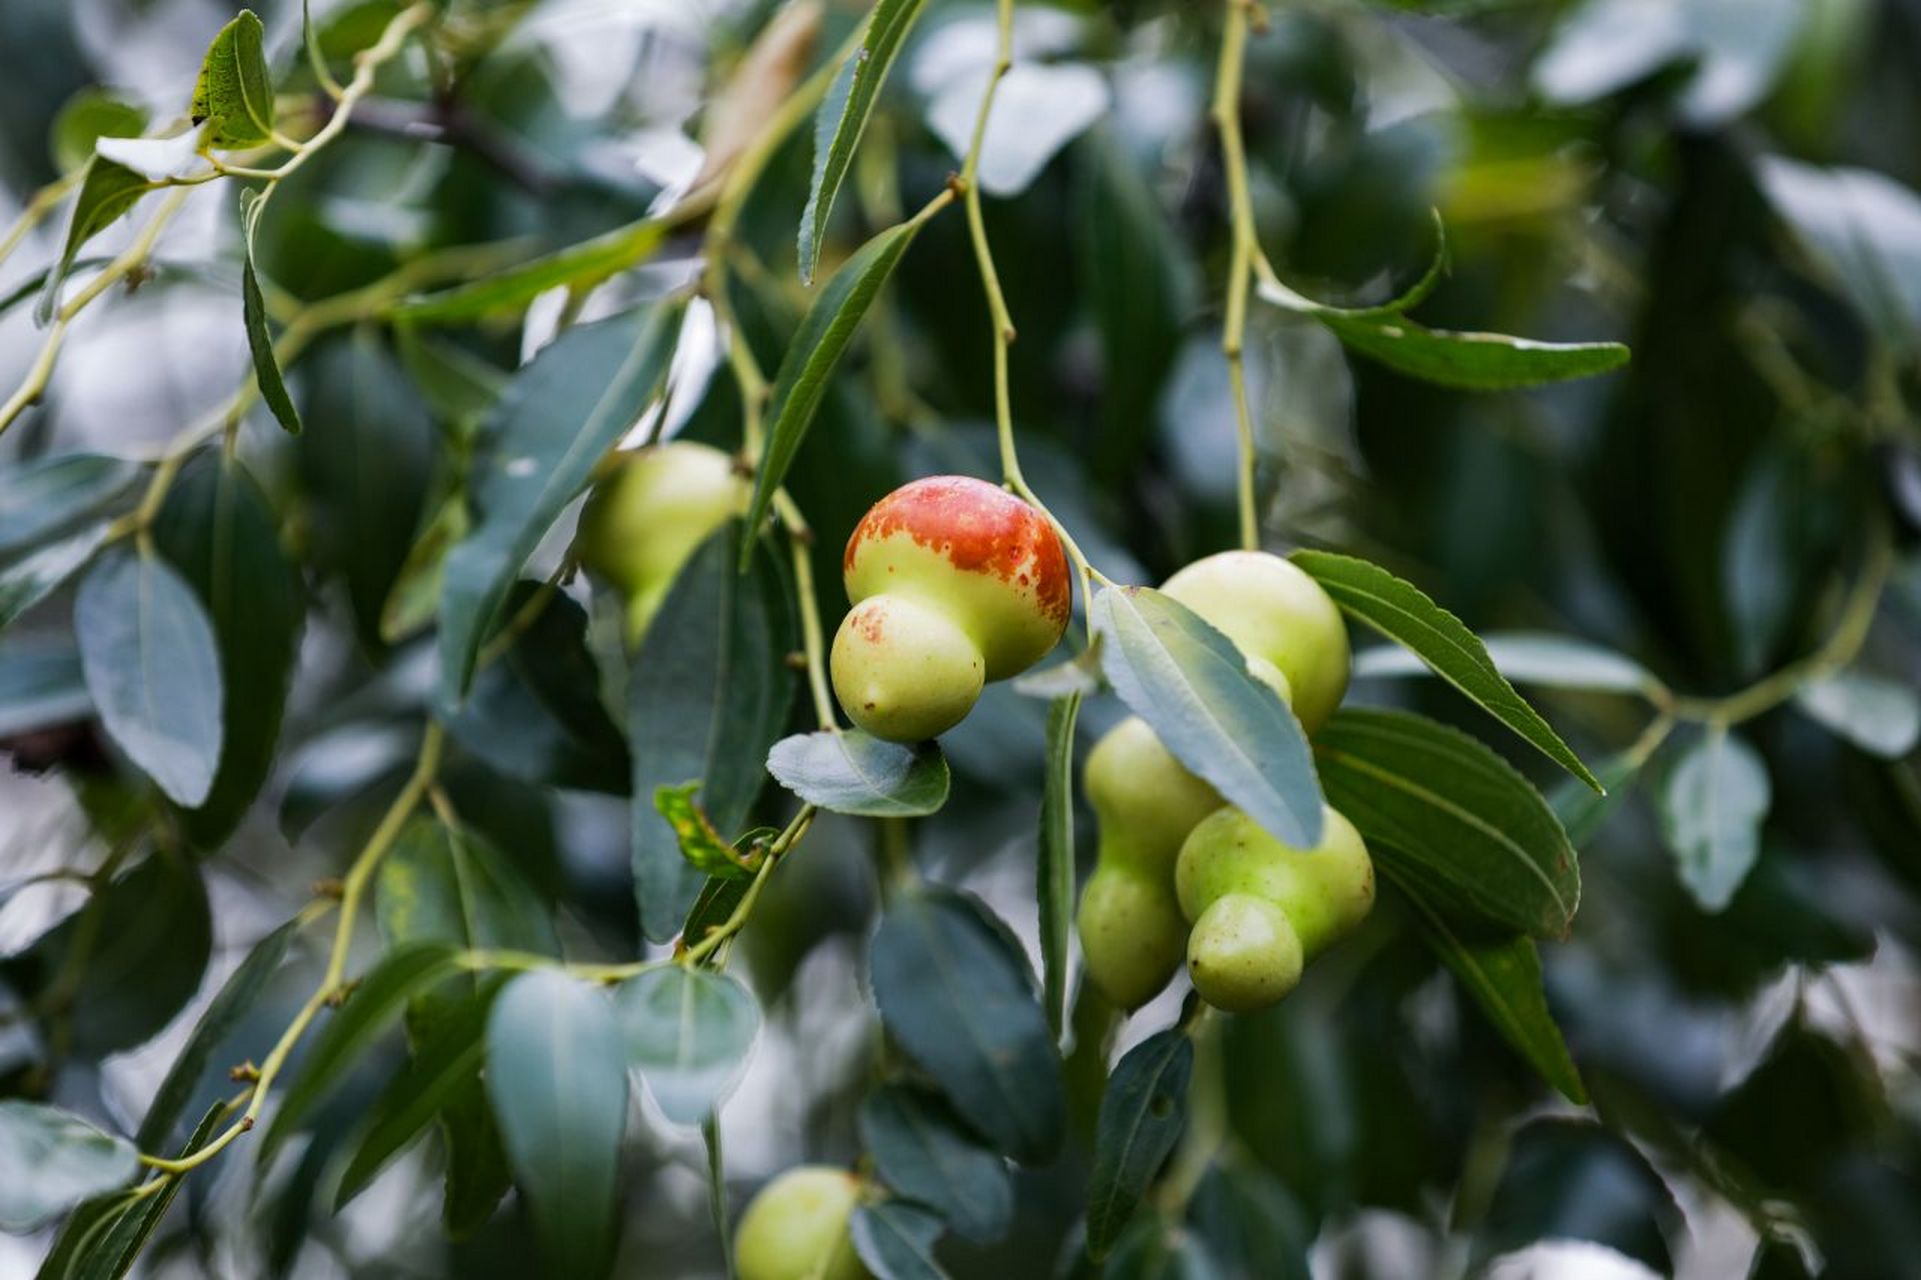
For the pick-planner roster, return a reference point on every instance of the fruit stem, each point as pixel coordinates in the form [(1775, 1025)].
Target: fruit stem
[(1227, 119)]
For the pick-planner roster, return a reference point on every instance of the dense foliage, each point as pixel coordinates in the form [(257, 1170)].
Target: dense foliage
[(435, 798)]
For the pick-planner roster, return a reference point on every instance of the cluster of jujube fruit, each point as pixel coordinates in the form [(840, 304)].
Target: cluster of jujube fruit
[(954, 583)]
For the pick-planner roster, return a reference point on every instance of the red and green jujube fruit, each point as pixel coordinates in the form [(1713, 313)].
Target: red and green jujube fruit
[(954, 582)]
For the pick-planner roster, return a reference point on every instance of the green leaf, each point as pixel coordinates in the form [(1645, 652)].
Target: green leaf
[(817, 346), (218, 530), (1142, 1115), (1054, 861), (1403, 613), (1527, 657), (1473, 361), (703, 847), (1191, 684), (921, 1152), (1451, 819), (1503, 974), (1864, 228), (360, 405), (843, 117), (41, 684), (32, 578), (370, 1008), (1251, 1224), (896, 1240), (57, 1160), (535, 712), (707, 693), (233, 97), (107, 193), (446, 1065), (558, 417), (88, 116), (235, 1000), (852, 772), (415, 597), (688, 1033), (140, 947), (1568, 1178), (578, 266), (557, 1076), (104, 1237), (461, 387), (47, 495), (153, 666), (717, 901), (1878, 715), (955, 993), (1716, 797), (1279, 294), (253, 314)]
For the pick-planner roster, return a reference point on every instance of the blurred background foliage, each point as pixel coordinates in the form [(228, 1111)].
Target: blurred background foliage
[(1729, 186)]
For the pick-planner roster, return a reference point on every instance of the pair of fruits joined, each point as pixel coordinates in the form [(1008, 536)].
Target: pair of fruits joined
[(955, 582)]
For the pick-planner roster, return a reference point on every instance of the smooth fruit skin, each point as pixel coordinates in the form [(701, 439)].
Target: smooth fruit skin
[(1244, 954), (1322, 894), (796, 1228), (1273, 611), (1145, 802), (955, 551), (903, 670), (649, 515)]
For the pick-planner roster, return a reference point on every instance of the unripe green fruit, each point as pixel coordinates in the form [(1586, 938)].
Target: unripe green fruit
[(955, 582), (1145, 802), (1243, 954), (647, 516), (796, 1228), (1228, 866), (1276, 613)]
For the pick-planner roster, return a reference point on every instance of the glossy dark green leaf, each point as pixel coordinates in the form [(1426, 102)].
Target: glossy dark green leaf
[(85, 118), (1713, 802), (234, 1001), (370, 1009), (1142, 1115), (1403, 613), (253, 315), (415, 598), (717, 901), (956, 994), (558, 1079), (452, 886), (922, 1153), (1458, 825), (34, 577), (896, 1240), (688, 1033), (707, 693), (1503, 974), (1191, 684), (365, 464), (558, 417), (856, 773), (1569, 1179), (1274, 291), (446, 1064), (1473, 361), (579, 266), (535, 711), (108, 192), (218, 530), (817, 346), (233, 97), (843, 116), (1054, 859), (41, 684), (46, 495), (143, 941), (461, 387), (70, 1161), (153, 666)]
